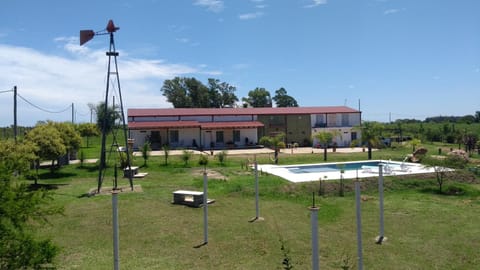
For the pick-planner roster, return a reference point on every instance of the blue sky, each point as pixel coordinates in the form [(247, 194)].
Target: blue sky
[(399, 58)]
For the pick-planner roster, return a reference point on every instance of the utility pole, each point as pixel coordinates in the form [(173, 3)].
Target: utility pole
[(15, 113), (73, 113)]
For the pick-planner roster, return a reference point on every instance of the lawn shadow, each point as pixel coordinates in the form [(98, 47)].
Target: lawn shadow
[(55, 175), (35, 187), (447, 191)]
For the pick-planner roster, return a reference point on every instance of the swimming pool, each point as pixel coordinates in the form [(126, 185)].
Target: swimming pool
[(347, 170), (333, 167)]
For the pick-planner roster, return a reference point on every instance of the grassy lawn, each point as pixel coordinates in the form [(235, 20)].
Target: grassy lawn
[(425, 230)]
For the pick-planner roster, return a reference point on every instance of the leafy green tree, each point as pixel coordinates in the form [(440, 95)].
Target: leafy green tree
[(275, 142), (222, 157), (186, 93), (166, 153), (415, 143), (203, 161), (324, 138), (70, 136), (186, 156), (221, 94), (443, 167), (477, 116), (146, 152), (21, 211), (258, 98), (49, 143), (106, 117), (88, 130), (370, 135), (283, 100)]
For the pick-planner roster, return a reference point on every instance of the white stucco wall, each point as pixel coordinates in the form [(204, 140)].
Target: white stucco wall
[(343, 139), (139, 137), (186, 137)]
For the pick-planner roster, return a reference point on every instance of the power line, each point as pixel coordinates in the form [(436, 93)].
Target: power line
[(42, 109), (6, 91)]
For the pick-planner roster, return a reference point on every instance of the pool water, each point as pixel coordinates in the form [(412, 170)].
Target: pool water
[(345, 170), (331, 167)]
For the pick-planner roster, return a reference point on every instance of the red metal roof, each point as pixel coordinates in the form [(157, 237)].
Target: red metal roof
[(193, 124), (165, 124), (239, 111), (217, 125)]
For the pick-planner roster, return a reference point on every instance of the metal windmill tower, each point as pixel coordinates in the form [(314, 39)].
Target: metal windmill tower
[(85, 36)]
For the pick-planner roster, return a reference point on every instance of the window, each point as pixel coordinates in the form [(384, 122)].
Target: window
[(354, 136), (174, 136), (236, 135), (219, 137), (345, 120)]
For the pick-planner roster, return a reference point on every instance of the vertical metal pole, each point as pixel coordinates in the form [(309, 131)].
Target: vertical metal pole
[(104, 121), (116, 260), (380, 192), (73, 113), (314, 223), (124, 123), (15, 113), (257, 208), (359, 225), (205, 208)]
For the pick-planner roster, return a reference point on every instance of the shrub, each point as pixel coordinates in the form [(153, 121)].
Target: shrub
[(146, 152), (222, 157), (186, 156), (203, 161)]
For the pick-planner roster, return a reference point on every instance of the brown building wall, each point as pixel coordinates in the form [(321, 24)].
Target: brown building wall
[(297, 128)]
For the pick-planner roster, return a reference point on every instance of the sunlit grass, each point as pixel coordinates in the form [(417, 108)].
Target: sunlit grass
[(425, 230)]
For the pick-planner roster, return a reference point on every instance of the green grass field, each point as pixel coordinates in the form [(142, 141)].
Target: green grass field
[(425, 230)]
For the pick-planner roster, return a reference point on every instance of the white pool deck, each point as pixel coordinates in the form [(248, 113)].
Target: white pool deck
[(390, 168)]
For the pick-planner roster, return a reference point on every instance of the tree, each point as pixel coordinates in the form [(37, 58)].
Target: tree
[(477, 116), (186, 93), (370, 132), (106, 118), (21, 211), (276, 142), (186, 156), (443, 166), (258, 98), (324, 138), (166, 152), (146, 152), (415, 143), (283, 100), (70, 136), (221, 94), (88, 130), (49, 143)]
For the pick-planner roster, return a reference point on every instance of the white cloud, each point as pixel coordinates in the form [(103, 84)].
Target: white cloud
[(54, 82), (316, 3), (183, 40), (211, 5), (393, 11), (250, 16)]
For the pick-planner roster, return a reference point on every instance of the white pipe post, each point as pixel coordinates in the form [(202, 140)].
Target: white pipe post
[(205, 208), (257, 207), (116, 260), (314, 223), (380, 192), (359, 224)]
